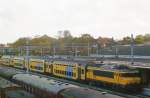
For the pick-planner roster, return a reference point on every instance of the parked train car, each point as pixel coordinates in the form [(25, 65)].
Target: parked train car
[(8, 73), (71, 69), (118, 76), (66, 69), (49, 88), (37, 65), (6, 60), (45, 87), (113, 74), (11, 90), (91, 72), (41, 65), (19, 62)]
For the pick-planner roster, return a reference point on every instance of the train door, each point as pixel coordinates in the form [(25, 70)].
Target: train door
[(89, 73), (79, 72), (82, 73), (116, 77)]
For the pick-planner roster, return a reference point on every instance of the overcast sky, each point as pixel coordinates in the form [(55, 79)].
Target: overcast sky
[(117, 18)]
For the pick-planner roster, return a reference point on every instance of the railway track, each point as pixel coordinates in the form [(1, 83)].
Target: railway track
[(105, 90)]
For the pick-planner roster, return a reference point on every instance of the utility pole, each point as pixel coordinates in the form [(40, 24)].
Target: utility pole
[(88, 49), (132, 49), (116, 51), (41, 52), (76, 52), (54, 51), (27, 54), (19, 51)]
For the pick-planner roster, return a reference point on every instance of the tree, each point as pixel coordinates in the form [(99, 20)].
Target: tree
[(103, 42), (139, 39), (147, 38), (87, 38), (20, 42), (126, 40), (67, 34), (43, 40)]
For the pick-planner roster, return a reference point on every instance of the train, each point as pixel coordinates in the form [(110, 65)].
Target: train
[(91, 72), (10, 90), (45, 87)]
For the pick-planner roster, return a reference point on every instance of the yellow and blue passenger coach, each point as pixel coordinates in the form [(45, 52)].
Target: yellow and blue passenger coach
[(37, 65), (65, 69), (6, 60), (75, 70), (18, 62)]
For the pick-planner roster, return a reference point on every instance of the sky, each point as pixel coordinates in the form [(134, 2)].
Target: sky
[(106, 18)]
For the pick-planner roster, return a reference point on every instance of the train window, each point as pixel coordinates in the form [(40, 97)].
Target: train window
[(69, 73), (103, 73), (82, 71), (63, 72), (130, 74), (89, 70), (74, 74)]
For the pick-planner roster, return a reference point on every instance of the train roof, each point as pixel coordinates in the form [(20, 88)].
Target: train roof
[(6, 56), (87, 93), (8, 73), (4, 84), (65, 62), (118, 67), (37, 60), (81, 63), (18, 57), (47, 84)]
